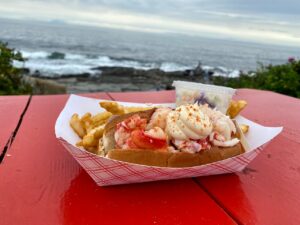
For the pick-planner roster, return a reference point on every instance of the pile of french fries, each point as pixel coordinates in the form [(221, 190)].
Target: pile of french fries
[(235, 107), (90, 127)]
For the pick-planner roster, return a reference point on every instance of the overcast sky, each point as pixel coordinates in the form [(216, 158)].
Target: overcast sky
[(272, 21)]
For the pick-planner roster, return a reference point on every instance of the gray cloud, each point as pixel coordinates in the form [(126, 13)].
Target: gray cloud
[(194, 9), (278, 20), (275, 7), (289, 7), (210, 11)]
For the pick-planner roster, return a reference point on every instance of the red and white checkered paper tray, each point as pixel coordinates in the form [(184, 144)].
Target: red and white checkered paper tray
[(106, 172)]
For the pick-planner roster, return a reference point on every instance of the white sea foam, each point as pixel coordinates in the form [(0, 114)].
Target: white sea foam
[(171, 67), (107, 61), (207, 68), (72, 63), (69, 56), (234, 73), (35, 55), (51, 69), (227, 73)]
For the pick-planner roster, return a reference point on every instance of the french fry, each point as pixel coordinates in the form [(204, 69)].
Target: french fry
[(79, 143), (90, 129), (136, 109), (89, 141), (77, 125), (86, 117), (242, 104), (86, 121), (244, 128), (236, 107), (100, 118), (92, 149), (98, 132), (112, 107), (92, 138), (117, 109)]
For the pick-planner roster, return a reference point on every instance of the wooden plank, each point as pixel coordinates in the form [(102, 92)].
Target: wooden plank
[(11, 109), (267, 192), (145, 97), (42, 184), (272, 109)]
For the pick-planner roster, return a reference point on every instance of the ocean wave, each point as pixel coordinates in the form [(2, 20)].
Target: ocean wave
[(69, 56), (229, 73), (58, 63), (171, 67), (34, 55), (48, 69)]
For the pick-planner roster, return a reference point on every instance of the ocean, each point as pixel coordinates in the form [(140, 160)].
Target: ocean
[(56, 49)]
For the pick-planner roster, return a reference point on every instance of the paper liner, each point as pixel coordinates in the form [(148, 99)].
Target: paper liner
[(106, 171)]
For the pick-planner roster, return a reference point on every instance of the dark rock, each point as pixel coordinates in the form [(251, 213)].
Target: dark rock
[(45, 86), (56, 55), (169, 87), (125, 79), (25, 71)]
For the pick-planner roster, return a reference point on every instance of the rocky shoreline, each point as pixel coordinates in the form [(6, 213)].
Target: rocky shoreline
[(114, 79)]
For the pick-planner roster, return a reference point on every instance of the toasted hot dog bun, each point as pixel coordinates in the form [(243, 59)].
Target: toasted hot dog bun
[(153, 157), (180, 159)]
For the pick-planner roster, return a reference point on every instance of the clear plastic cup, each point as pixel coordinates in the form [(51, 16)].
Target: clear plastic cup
[(218, 97)]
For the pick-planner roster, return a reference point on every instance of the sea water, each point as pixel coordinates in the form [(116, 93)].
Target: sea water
[(56, 49)]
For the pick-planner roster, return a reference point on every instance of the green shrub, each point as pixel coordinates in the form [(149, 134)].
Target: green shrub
[(11, 80), (283, 79)]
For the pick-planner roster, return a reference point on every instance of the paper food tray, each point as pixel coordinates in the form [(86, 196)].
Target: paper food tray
[(106, 171)]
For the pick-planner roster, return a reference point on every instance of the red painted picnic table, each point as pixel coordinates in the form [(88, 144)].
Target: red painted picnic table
[(40, 183)]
